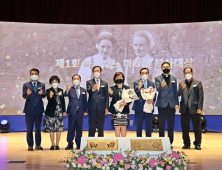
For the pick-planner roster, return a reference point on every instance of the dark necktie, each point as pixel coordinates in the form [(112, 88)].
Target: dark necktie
[(34, 86)]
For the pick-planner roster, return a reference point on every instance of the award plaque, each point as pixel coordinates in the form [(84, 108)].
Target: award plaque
[(146, 144), (102, 145)]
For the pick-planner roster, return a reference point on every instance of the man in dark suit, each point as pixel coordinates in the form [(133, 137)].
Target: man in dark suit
[(167, 100), (76, 110), (98, 102), (191, 106), (33, 92), (138, 105)]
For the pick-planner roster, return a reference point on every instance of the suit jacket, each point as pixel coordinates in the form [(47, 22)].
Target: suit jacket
[(51, 106), (75, 102), (138, 104), (34, 100), (166, 95), (194, 99), (115, 98), (98, 99)]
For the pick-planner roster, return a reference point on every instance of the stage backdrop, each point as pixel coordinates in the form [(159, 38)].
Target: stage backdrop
[(65, 50)]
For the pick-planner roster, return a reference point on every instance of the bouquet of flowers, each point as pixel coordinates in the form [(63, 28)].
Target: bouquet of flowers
[(118, 107), (128, 95), (148, 94), (128, 160)]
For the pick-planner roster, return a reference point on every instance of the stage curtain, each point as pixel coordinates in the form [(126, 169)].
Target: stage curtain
[(110, 11)]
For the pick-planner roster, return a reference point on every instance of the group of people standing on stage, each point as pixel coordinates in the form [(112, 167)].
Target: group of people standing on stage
[(97, 106)]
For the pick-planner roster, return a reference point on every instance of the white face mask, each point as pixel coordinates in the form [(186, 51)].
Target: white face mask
[(144, 77), (97, 75), (188, 76), (76, 82), (34, 77), (55, 85)]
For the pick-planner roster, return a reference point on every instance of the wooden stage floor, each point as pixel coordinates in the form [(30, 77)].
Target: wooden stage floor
[(13, 147)]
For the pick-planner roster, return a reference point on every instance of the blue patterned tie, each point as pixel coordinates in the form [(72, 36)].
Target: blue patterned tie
[(34, 86), (145, 86)]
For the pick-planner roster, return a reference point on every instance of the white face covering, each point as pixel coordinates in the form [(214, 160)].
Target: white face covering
[(188, 76), (76, 82), (97, 75), (55, 85), (34, 77), (144, 77)]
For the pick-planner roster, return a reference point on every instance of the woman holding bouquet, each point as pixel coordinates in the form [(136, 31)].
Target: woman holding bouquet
[(119, 119), (55, 110)]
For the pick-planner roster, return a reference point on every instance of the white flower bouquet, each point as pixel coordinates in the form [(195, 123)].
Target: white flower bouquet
[(128, 95), (148, 94)]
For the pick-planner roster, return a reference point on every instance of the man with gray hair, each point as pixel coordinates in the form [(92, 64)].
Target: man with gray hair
[(191, 106)]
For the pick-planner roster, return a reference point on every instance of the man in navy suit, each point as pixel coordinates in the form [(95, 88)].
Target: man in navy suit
[(33, 92), (98, 102), (77, 108), (140, 115), (167, 100)]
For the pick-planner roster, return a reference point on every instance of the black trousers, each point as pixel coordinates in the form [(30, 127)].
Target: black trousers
[(169, 114), (185, 122), (100, 116)]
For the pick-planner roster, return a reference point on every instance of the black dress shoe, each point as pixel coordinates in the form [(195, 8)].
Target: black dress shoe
[(78, 147), (197, 147), (186, 147), (38, 148), (30, 148), (69, 147), (57, 148), (52, 148)]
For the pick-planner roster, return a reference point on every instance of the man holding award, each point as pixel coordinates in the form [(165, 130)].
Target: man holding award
[(141, 112), (191, 106)]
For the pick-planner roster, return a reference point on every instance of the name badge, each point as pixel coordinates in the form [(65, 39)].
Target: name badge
[(194, 85), (102, 86), (173, 81), (83, 93)]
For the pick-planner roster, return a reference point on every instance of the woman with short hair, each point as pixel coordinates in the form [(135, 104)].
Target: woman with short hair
[(120, 120), (55, 110)]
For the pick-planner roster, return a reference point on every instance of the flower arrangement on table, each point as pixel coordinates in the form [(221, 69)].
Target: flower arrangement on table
[(148, 94), (128, 160), (128, 95)]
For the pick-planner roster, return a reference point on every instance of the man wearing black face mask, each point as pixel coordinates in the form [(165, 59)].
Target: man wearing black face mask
[(167, 100)]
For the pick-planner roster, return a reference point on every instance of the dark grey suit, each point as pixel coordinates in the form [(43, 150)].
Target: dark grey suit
[(97, 103), (194, 99), (191, 101)]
